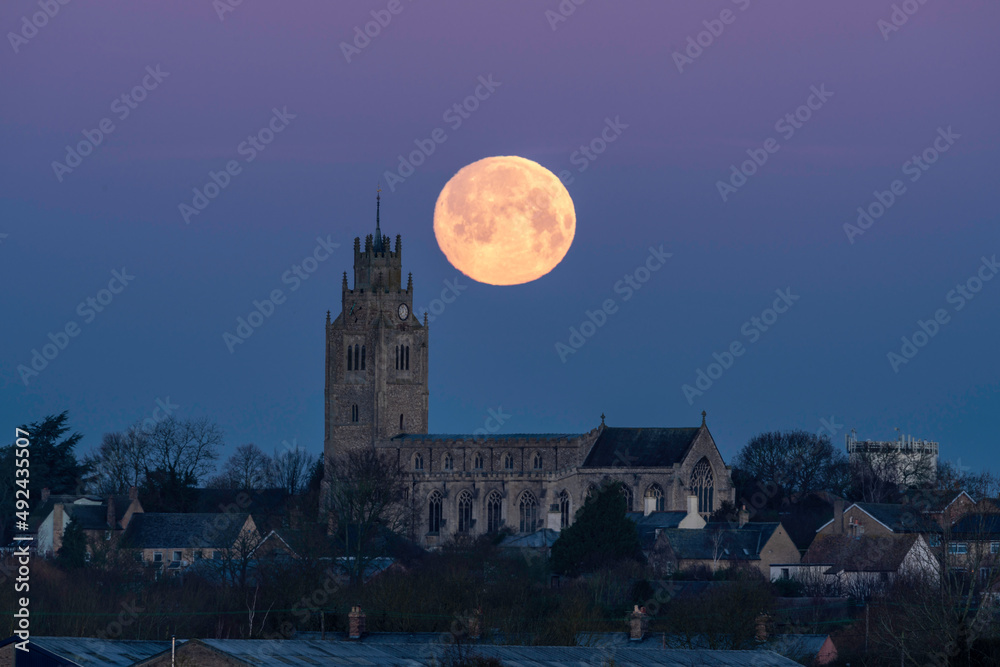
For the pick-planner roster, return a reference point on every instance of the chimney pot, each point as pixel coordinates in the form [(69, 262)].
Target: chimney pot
[(133, 494), (356, 623), (744, 516), (838, 517), (637, 624)]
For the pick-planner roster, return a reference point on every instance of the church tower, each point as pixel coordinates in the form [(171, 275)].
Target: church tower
[(376, 352)]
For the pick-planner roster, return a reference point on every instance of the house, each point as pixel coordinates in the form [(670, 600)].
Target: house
[(879, 519), (864, 565), (102, 518), (973, 543), (174, 541), (717, 545)]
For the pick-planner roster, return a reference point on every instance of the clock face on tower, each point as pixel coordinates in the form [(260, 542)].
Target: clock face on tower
[(403, 311)]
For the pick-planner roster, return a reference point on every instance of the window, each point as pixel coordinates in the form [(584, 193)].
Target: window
[(564, 510), (449, 462), (177, 556), (627, 492), (434, 513), (407, 357), (536, 461), (655, 494), (354, 412), (198, 555), (958, 548), (994, 547), (478, 462), (785, 574), (529, 512), (464, 512), (418, 462), (397, 357), (402, 357), (362, 357), (494, 507), (508, 462), (357, 354), (157, 557), (703, 486), (935, 540), (400, 422), (350, 357)]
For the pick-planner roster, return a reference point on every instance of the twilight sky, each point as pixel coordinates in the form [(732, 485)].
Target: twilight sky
[(679, 116)]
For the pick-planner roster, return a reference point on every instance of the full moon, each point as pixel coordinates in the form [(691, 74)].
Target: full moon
[(504, 220)]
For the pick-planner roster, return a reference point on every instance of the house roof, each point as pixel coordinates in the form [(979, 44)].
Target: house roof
[(735, 544), (900, 518), (868, 553), (977, 526), (88, 652), (183, 531), (640, 447), (647, 525), (92, 515), (540, 539)]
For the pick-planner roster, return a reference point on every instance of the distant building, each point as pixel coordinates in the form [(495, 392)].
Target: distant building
[(102, 518), (377, 360), (907, 461)]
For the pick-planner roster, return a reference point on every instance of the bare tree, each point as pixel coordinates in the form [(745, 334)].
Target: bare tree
[(365, 494), (790, 462), (878, 473), (246, 470), (121, 460), (185, 449), (290, 469)]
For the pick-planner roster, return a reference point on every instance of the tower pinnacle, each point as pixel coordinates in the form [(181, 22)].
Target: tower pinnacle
[(378, 230)]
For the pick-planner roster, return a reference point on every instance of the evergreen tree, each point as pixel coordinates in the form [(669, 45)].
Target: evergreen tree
[(73, 552), (601, 535)]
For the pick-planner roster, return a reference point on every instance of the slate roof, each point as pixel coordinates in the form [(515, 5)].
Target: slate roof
[(540, 539), (640, 447), (737, 544), (119, 653), (647, 525), (790, 646), (93, 517), (977, 526), (901, 518), (413, 438), (869, 553), (181, 531)]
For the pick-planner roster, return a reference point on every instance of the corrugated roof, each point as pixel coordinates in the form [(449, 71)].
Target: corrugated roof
[(119, 653), (640, 447)]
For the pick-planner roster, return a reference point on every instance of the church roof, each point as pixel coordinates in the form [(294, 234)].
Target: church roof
[(640, 447), (441, 437)]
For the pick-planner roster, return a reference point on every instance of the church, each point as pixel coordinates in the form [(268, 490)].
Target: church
[(376, 395)]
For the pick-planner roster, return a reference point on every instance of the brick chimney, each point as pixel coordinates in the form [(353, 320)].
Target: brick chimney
[(761, 622), (57, 527), (45, 494), (133, 494), (356, 623), (638, 621), (112, 524), (838, 516), (744, 516)]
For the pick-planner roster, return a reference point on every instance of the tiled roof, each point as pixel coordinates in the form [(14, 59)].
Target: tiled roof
[(647, 525), (900, 518), (977, 526), (640, 447), (182, 531), (734, 543), (869, 553)]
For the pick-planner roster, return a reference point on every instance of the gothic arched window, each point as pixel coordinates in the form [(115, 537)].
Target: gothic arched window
[(529, 512), (357, 356), (536, 461), (400, 422), (407, 357), (508, 462), (434, 512), (703, 486), (397, 357), (464, 512), (478, 461), (655, 493), (627, 492), (449, 462), (362, 357), (354, 412), (350, 353), (494, 512), (418, 461), (564, 510)]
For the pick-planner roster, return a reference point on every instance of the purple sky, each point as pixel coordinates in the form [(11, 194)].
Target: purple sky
[(496, 346)]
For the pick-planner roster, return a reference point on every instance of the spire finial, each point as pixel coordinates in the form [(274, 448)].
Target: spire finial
[(602, 419), (703, 415), (378, 230)]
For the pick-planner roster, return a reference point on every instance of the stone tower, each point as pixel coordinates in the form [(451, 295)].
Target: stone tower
[(376, 352)]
